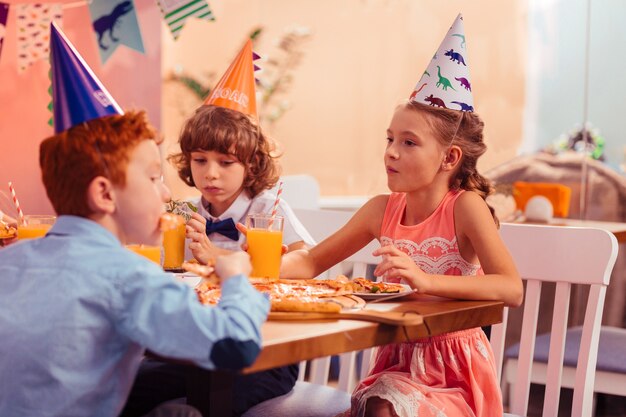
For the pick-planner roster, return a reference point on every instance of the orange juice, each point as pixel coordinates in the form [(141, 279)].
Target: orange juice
[(151, 252), (36, 226), (174, 247), (265, 247), (32, 231)]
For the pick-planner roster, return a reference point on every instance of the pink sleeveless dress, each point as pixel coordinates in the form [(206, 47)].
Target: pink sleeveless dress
[(447, 375)]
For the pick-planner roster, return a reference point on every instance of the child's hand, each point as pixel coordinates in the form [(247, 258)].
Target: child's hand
[(201, 247), (244, 246), (227, 266), (396, 263)]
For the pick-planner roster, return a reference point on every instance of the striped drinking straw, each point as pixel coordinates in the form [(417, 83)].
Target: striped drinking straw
[(275, 207), (17, 204)]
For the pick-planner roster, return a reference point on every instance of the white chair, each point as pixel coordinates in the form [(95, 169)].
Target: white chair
[(300, 191), (314, 398), (321, 224), (564, 256)]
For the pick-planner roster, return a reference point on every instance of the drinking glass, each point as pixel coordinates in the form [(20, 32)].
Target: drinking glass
[(34, 226), (174, 247), (265, 240), (152, 253)]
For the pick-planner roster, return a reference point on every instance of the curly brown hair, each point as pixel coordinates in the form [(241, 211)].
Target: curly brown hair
[(70, 160), (468, 137), (227, 131)]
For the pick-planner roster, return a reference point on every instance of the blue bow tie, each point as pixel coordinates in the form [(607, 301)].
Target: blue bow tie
[(223, 227)]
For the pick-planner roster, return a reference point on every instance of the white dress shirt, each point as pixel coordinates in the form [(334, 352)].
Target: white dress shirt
[(293, 230)]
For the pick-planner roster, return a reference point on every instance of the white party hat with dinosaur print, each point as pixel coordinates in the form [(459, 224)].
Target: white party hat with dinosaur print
[(446, 81)]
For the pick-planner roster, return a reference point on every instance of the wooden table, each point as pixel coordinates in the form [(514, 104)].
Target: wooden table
[(286, 342)]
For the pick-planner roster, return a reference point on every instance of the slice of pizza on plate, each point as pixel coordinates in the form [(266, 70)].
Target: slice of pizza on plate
[(364, 285)]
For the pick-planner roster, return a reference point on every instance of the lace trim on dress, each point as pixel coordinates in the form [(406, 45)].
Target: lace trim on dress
[(404, 404), (436, 255)]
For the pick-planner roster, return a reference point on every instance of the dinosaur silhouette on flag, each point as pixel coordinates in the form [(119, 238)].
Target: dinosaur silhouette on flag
[(107, 22)]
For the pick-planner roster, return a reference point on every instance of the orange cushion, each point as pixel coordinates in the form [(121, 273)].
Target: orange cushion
[(558, 194)]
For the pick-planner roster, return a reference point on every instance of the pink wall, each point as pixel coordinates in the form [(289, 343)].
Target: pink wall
[(134, 79)]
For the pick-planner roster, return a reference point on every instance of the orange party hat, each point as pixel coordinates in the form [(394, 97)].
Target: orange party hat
[(235, 90)]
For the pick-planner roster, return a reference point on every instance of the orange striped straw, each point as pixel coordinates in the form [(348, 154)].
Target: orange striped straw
[(17, 204), (275, 207)]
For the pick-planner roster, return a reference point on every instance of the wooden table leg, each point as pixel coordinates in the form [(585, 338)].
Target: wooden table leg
[(211, 392)]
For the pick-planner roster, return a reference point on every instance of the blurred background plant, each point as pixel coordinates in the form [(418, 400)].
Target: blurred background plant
[(273, 80), (580, 139)]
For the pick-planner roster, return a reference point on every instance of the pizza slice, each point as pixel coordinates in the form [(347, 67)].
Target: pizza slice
[(207, 272), (286, 295), (7, 232), (305, 304), (303, 288), (364, 285)]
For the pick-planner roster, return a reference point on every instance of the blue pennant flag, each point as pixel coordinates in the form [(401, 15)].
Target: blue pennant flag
[(115, 23)]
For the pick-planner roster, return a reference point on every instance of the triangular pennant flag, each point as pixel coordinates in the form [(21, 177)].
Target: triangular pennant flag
[(4, 16), (114, 24), (236, 89), (33, 21), (256, 57), (51, 102), (446, 81), (176, 12), (78, 96)]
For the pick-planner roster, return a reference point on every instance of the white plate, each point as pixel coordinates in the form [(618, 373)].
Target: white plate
[(188, 278), (377, 295)]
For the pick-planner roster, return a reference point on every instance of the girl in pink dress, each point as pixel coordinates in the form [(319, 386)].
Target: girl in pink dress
[(438, 235)]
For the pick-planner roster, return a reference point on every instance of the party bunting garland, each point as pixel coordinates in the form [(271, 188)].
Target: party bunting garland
[(51, 103), (176, 12), (4, 15), (33, 26), (114, 23)]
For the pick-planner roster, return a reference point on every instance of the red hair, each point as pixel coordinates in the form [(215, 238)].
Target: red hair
[(70, 160)]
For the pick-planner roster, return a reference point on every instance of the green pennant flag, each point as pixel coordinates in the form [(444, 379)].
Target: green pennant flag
[(176, 12)]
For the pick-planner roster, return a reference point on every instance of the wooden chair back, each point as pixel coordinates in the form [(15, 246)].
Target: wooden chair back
[(564, 256)]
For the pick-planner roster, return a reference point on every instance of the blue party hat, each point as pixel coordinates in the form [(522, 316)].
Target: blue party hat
[(77, 94)]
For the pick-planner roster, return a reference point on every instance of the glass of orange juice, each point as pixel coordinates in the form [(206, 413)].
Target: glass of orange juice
[(153, 253), (265, 240), (174, 246), (34, 226)]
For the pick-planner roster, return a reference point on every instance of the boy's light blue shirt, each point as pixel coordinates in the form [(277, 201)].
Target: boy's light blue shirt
[(77, 310)]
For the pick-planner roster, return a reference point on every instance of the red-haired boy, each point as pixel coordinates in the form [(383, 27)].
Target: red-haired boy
[(77, 309)]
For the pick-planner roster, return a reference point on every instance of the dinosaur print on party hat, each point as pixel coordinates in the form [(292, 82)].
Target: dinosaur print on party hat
[(236, 89), (446, 81)]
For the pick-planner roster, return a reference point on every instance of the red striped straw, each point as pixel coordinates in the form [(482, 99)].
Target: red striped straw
[(275, 207), (17, 204)]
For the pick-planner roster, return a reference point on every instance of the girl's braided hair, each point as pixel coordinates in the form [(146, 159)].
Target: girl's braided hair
[(468, 137)]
